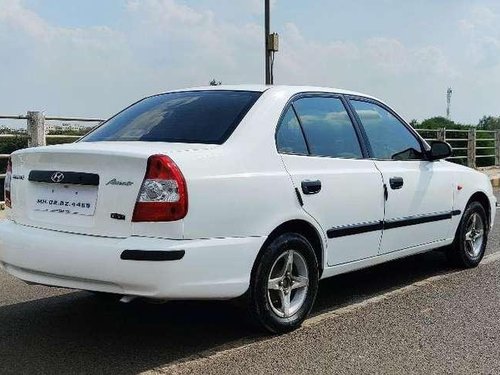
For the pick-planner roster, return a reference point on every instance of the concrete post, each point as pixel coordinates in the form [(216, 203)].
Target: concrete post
[(36, 129), (471, 148), (441, 135)]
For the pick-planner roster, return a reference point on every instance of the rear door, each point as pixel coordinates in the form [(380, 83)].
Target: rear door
[(343, 191), (419, 203)]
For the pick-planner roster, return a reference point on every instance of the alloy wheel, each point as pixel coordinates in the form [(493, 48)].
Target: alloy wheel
[(474, 235), (288, 283)]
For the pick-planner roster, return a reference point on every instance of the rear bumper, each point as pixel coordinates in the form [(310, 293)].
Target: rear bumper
[(208, 268)]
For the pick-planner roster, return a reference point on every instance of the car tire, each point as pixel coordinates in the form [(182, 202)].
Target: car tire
[(470, 241), (284, 283)]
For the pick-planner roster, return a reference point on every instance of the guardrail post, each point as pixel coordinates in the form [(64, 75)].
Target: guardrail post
[(497, 147), (441, 134), (36, 129), (471, 148)]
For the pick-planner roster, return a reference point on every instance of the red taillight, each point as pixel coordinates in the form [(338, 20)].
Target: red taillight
[(163, 194), (6, 185)]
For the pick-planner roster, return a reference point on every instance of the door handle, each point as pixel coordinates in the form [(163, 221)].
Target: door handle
[(311, 187), (396, 182)]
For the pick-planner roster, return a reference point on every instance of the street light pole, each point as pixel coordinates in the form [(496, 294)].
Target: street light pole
[(267, 28)]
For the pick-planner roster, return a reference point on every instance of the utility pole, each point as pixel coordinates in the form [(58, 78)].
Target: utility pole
[(448, 102), (267, 27), (271, 43)]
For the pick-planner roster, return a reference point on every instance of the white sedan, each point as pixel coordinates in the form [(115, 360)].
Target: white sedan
[(230, 191)]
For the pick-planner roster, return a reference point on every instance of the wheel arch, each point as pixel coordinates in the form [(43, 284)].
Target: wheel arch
[(303, 228), (483, 199)]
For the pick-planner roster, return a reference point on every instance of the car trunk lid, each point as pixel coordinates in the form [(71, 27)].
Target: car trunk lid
[(88, 188)]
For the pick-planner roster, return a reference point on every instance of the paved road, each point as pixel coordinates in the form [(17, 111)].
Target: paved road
[(448, 323)]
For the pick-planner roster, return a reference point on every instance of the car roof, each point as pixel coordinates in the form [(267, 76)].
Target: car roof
[(285, 89)]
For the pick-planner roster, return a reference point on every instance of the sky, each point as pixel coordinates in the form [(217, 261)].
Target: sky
[(93, 57)]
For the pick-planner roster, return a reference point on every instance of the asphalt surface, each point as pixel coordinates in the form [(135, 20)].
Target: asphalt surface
[(447, 324)]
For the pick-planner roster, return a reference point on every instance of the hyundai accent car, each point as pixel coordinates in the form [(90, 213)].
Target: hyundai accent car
[(239, 191)]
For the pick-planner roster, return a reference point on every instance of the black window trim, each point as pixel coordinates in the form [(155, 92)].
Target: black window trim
[(314, 94), (294, 110), (423, 146), (223, 139)]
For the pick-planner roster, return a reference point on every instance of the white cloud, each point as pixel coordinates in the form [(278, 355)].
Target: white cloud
[(480, 17), (380, 66), (304, 61), (164, 44), (165, 14), (12, 13), (257, 6), (395, 58), (193, 44), (482, 34), (389, 54), (61, 70)]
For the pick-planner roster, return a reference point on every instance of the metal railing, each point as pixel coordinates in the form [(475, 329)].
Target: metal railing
[(52, 118), (471, 147)]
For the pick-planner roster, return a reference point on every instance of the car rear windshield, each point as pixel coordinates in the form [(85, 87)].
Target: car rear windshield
[(186, 117)]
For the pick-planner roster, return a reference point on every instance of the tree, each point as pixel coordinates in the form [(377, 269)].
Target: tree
[(414, 123), (214, 82), (438, 122), (489, 123)]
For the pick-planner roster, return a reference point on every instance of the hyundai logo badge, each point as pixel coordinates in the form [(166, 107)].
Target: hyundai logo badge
[(57, 177)]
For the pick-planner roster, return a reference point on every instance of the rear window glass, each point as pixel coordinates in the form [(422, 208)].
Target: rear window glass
[(187, 117)]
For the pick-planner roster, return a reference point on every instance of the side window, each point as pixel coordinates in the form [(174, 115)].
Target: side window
[(289, 137), (328, 128), (388, 137)]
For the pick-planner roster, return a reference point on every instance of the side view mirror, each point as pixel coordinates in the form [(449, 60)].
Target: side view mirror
[(439, 150)]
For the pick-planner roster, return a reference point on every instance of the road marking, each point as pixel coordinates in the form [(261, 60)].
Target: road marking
[(490, 258), (393, 293), (219, 352)]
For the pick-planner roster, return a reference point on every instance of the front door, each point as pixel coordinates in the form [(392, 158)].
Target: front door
[(340, 189), (419, 197)]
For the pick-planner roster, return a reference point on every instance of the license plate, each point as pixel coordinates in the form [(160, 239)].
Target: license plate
[(65, 199)]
